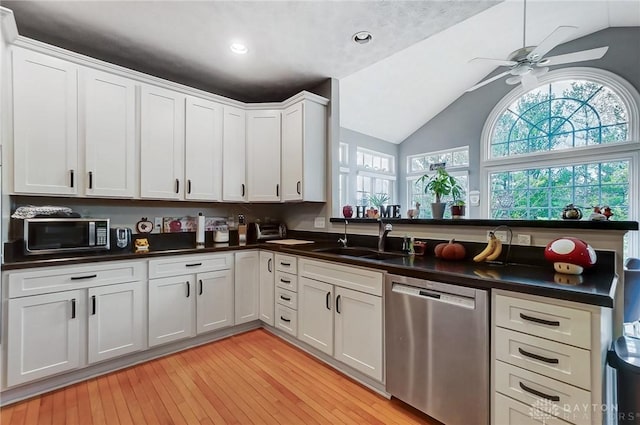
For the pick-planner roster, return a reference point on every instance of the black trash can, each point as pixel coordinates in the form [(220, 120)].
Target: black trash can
[(624, 356)]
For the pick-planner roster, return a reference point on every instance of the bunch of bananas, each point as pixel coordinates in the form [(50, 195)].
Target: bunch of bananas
[(492, 251)]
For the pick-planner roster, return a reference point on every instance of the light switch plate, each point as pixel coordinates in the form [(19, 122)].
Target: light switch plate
[(319, 223)]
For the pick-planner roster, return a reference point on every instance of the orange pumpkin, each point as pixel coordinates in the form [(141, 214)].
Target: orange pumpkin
[(450, 250)]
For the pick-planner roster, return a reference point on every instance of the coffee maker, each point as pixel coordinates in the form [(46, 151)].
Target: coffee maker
[(121, 239)]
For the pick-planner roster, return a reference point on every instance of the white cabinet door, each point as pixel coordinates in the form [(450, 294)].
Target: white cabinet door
[(161, 143), (304, 146), (107, 129), (247, 287), (315, 314), (43, 336), (203, 150), (234, 155), (358, 334), (292, 142), (171, 309), (267, 284), (263, 155), (45, 120), (214, 301), (116, 324)]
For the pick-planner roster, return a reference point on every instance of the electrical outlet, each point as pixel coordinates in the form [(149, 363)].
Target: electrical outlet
[(319, 223), (157, 226), (501, 234), (524, 239)]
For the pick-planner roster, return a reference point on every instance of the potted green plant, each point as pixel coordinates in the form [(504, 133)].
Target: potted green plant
[(440, 184), (377, 201), (458, 208)]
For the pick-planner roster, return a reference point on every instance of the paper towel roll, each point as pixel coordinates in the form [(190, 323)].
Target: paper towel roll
[(200, 231)]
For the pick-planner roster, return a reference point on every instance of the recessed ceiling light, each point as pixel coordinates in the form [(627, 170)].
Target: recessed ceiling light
[(362, 37), (238, 48)]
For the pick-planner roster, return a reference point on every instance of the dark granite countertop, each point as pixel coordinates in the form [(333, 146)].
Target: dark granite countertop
[(595, 286)]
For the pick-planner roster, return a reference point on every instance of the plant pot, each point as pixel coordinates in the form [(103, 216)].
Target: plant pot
[(458, 211), (437, 210)]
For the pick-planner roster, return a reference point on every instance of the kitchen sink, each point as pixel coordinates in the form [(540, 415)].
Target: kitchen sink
[(357, 252)]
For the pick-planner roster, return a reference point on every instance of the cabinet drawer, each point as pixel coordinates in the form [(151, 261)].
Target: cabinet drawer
[(533, 389), (558, 361), (363, 280), (179, 265), (507, 411), (287, 298), (286, 263), (287, 319), (54, 279), (554, 322), (287, 281)]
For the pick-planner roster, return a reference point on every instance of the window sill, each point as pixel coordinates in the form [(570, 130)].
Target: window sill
[(549, 224)]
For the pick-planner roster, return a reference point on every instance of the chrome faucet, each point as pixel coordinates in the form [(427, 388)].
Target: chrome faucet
[(383, 230), (343, 241)]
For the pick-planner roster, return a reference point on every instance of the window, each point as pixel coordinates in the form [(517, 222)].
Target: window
[(573, 139), (457, 164), (343, 178), (375, 175)]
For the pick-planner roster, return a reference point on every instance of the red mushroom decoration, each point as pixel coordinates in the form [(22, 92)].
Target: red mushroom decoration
[(570, 255)]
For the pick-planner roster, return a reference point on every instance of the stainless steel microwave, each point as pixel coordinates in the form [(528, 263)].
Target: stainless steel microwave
[(58, 235)]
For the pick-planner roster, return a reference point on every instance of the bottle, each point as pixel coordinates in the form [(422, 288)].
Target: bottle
[(411, 242)]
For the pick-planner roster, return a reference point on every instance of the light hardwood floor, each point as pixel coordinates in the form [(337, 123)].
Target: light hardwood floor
[(252, 378)]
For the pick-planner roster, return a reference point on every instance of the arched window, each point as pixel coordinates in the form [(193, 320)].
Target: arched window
[(573, 139)]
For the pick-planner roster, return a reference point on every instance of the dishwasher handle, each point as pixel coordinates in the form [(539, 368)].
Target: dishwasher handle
[(433, 295)]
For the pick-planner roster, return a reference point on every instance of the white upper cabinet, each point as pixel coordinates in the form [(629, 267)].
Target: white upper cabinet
[(234, 155), (161, 143), (263, 155), (107, 130), (203, 150), (304, 145), (45, 119)]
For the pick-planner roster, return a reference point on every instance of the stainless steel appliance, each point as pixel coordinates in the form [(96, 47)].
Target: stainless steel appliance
[(437, 349), (266, 231), (57, 235), (121, 239)]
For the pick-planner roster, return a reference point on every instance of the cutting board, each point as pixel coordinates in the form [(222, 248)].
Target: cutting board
[(289, 241)]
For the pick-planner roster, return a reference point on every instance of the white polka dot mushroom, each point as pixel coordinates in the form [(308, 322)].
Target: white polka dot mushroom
[(570, 255)]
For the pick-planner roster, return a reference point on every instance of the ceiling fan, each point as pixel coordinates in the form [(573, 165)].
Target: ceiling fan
[(528, 63)]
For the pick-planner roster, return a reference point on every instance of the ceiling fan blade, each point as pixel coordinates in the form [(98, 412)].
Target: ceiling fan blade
[(556, 37), (497, 62), (487, 81), (584, 55)]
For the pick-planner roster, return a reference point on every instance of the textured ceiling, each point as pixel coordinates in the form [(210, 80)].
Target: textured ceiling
[(293, 45)]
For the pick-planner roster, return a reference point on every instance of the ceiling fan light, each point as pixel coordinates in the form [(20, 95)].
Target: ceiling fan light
[(513, 80), (539, 71)]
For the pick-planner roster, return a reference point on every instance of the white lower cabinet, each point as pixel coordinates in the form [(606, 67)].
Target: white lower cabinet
[(214, 301), (171, 309), (116, 321), (185, 305), (358, 325), (315, 301), (548, 361), (43, 335), (50, 326), (247, 287), (267, 284), (341, 322)]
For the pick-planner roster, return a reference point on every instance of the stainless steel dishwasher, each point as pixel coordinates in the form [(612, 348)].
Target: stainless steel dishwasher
[(437, 348)]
